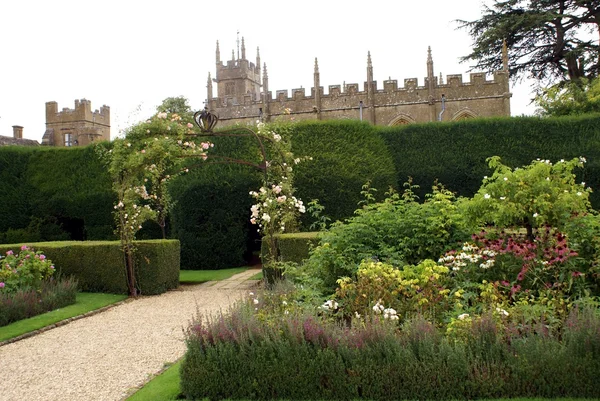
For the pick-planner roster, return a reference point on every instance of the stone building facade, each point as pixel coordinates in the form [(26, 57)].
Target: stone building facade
[(244, 96), (76, 127)]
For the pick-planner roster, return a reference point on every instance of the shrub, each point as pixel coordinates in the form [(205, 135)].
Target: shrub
[(98, 265), (299, 356), (26, 303), (399, 231), (24, 270), (294, 247)]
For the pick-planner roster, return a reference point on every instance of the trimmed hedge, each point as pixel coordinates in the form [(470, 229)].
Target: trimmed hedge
[(51, 193), (346, 154), (454, 153), (98, 266), (294, 247)]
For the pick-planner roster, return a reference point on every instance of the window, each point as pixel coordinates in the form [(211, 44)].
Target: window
[(68, 139)]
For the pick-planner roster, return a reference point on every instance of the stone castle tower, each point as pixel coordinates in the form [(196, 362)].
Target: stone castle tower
[(76, 127), (243, 98)]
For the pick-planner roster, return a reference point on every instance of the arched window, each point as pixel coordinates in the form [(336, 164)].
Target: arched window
[(401, 119), (464, 114)]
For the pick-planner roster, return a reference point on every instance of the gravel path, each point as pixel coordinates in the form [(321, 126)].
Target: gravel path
[(103, 357)]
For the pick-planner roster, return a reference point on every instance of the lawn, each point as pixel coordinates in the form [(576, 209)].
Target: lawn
[(85, 302), (202, 276)]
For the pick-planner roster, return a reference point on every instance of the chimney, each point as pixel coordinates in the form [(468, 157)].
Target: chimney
[(17, 132)]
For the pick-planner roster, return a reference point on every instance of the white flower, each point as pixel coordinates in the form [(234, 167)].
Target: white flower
[(284, 303), (251, 294), (277, 138), (505, 178), (502, 197), (502, 311), (486, 196), (535, 215), (579, 193), (266, 217), (286, 312), (357, 315), (255, 301), (463, 316), (583, 184)]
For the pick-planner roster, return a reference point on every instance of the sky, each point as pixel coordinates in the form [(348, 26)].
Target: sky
[(130, 54)]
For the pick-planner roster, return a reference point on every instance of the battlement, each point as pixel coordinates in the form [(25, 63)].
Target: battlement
[(76, 126), (242, 96)]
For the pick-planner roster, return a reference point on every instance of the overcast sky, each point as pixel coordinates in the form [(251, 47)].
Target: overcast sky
[(131, 54)]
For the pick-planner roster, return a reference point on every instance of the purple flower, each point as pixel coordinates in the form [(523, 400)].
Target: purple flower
[(42, 257), (24, 248), (9, 252), (52, 267), (2, 284)]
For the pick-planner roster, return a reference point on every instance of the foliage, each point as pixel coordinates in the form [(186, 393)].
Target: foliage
[(26, 270), (409, 290), (98, 265), (71, 200), (398, 230), (570, 98), (294, 247), (345, 154), (177, 105), (300, 356), (545, 39), (26, 302), (536, 195), (455, 153)]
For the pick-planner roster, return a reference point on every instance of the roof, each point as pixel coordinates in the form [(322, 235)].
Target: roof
[(9, 140)]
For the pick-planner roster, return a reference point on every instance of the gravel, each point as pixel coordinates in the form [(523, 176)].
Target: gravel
[(105, 356)]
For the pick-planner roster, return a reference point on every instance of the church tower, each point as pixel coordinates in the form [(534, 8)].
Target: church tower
[(238, 81)]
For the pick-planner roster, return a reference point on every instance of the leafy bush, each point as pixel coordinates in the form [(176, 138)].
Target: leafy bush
[(26, 303), (294, 247), (98, 265), (399, 231), (299, 356), (26, 270)]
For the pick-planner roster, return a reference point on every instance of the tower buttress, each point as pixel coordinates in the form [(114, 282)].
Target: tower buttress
[(431, 84), (370, 89), (317, 87), (209, 90), (266, 100), (218, 54)]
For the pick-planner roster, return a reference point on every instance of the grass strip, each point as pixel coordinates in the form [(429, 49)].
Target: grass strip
[(202, 276), (85, 302), (257, 276), (162, 387)]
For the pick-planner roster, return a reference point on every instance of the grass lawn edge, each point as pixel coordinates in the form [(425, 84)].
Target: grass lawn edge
[(25, 329)]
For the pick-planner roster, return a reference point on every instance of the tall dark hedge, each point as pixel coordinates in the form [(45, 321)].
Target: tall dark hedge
[(455, 153), (212, 207), (54, 194), (346, 154)]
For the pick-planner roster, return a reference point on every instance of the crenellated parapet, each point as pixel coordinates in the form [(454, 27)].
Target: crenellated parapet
[(77, 126), (429, 100)]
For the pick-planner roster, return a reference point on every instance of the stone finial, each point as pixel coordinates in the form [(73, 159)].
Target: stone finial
[(209, 79), (504, 56), (232, 54), (441, 79), (369, 64), (265, 75), (316, 66), (218, 53), (243, 49), (429, 58)]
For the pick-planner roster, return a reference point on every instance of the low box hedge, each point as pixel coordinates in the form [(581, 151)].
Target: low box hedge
[(293, 247), (98, 266)]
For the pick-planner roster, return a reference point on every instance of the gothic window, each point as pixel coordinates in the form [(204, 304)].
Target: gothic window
[(68, 139), (230, 89), (464, 114), (402, 119)]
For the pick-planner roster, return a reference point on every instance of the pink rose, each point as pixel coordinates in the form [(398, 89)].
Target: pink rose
[(42, 257), (24, 248), (9, 252), (2, 285)]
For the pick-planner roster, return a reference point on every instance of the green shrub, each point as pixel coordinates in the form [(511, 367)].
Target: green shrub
[(24, 268), (98, 266), (346, 154), (26, 303), (455, 153), (238, 356), (294, 247), (398, 231)]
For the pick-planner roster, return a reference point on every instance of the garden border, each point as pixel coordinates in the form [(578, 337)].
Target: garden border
[(63, 322)]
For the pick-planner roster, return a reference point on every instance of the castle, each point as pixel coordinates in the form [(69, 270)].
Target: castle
[(244, 96), (76, 127)]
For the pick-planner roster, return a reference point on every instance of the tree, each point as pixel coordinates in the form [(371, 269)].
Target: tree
[(570, 98), (176, 105), (546, 39)]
